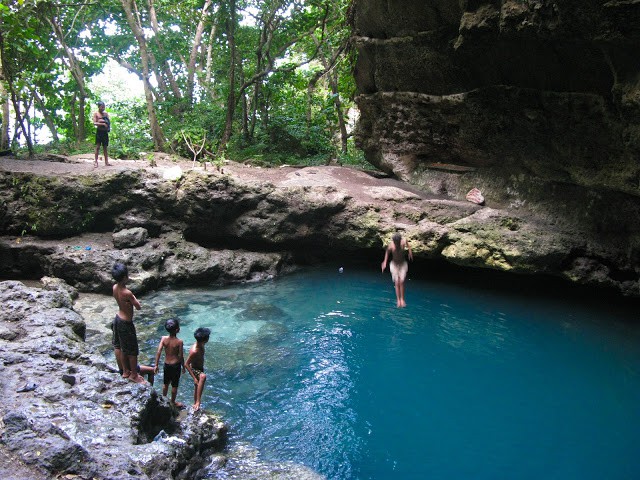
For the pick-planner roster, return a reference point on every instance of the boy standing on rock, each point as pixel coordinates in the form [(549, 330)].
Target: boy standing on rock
[(173, 359), (195, 364), (103, 126), (125, 340)]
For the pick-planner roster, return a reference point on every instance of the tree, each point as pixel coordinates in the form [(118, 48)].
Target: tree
[(133, 19), (224, 66)]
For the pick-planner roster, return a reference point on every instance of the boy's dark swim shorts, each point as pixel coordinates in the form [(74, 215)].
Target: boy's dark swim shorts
[(172, 373), (115, 341), (102, 138), (127, 337)]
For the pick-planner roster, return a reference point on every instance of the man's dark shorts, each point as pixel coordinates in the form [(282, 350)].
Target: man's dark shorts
[(115, 341), (102, 138), (127, 338), (172, 373)]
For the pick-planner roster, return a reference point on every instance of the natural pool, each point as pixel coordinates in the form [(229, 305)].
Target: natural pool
[(322, 369)]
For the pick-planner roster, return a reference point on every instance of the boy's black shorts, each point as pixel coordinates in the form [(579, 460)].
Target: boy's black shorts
[(127, 337), (102, 138), (115, 340), (172, 373)]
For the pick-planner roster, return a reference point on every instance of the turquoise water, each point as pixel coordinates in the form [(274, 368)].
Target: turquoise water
[(322, 369)]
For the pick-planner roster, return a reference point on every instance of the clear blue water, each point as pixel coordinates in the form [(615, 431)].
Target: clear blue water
[(322, 369)]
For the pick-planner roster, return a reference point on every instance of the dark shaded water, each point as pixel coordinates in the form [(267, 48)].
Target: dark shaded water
[(320, 368)]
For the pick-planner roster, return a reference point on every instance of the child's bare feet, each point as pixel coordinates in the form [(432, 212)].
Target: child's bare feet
[(95, 164), (107, 164), (196, 406), (137, 379), (179, 404)]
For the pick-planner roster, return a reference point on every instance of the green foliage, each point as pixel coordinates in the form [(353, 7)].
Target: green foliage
[(203, 119), (293, 75), (192, 141), (129, 130)]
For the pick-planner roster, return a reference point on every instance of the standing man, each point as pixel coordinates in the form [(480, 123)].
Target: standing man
[(398, 265), (103, 126)]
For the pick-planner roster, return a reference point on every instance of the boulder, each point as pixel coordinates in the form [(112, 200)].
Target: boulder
[(130, 238)]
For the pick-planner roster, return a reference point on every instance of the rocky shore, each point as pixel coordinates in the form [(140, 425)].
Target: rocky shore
[(65, 410)]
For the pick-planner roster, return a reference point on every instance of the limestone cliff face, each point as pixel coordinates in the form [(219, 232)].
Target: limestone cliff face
[(547, 88), (535, 102)]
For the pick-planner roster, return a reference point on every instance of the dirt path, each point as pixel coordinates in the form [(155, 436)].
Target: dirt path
[(370, 187)]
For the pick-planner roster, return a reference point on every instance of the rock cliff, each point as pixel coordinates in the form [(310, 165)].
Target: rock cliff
[(534, 102), (251, 224)]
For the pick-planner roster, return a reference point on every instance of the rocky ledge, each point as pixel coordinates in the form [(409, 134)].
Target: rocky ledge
[(64, 410), (246, 224)]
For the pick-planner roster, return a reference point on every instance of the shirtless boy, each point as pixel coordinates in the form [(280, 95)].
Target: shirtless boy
[(173, 359), (103, 125), (398, 265), (195, 364), (125, 340)]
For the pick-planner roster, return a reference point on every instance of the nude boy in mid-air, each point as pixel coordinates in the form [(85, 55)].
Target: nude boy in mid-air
[(398, 265)]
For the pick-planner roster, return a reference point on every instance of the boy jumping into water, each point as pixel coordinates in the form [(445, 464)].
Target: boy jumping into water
[(125, 340), (398, 265), (173, 359), (195, 364)]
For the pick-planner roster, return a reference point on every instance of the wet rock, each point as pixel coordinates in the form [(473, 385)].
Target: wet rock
[(52, 283)]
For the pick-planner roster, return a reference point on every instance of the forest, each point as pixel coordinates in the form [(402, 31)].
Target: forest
[(266, 81)]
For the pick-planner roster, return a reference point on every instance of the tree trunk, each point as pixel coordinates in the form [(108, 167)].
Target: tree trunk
[(212, 35), (78, 75), (157, 134), (197, 41), (156, 38), (73, 116), (254, 108), (344, 136), (245, 110), (231, 98), (20, 120), (328, 66), (46, 115), (4, 98)]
